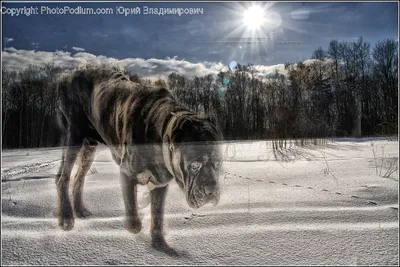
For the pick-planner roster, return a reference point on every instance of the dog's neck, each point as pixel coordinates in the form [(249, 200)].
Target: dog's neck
[(167, 146)]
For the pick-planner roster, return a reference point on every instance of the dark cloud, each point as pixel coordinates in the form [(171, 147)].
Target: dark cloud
[(198, 37)]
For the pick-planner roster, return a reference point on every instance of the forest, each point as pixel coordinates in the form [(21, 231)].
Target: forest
[(349, 89)]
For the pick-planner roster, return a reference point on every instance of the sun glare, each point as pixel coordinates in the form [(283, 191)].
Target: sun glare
[(253, 17)]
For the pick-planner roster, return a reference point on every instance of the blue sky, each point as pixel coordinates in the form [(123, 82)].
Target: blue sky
[(212, 36)]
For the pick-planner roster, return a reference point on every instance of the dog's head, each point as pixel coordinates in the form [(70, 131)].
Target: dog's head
[(195, 158)]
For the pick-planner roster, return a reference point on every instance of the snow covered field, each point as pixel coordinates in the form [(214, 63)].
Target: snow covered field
[(320, 205)]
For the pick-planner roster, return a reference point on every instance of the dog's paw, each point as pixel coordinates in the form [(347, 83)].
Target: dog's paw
[(158, 242), (66, 223), (133, 225), (82, 212)]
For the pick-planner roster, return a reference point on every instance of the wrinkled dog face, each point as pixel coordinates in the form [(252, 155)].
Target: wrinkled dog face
[(197, 168)]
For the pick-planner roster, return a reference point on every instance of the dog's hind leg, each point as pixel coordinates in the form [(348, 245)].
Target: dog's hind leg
[(65, 215), (129, 193), (86, 159)]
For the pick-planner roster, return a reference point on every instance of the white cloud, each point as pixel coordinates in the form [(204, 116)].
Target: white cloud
[(18, 59), (301, 14), (35, 44), (78, 49), (99, 34), (152, 68), (263, 72), (326, 60), (7, 40)]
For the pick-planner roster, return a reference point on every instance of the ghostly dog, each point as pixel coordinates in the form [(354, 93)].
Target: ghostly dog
[(152, 137)]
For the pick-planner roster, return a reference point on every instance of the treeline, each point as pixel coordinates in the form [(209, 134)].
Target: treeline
[(29, 107), (349, 89)]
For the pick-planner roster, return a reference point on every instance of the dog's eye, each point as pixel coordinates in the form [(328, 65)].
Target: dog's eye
[(195, 166)]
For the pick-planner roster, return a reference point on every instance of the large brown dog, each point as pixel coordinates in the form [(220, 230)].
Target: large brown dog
[(151, 136)]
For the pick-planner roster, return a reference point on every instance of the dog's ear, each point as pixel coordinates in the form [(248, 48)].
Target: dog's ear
[(182, 127), (186, 123)]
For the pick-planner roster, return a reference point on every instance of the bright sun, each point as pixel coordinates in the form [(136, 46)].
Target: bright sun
[(253, 17)]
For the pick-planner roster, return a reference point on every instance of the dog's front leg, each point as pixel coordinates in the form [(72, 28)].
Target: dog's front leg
[(158, 196), (132, 220)]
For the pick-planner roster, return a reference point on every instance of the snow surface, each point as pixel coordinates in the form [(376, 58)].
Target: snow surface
[(319, 205)]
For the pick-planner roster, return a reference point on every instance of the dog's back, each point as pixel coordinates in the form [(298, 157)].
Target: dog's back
[(75, 89), (102, 102), (75, 98)]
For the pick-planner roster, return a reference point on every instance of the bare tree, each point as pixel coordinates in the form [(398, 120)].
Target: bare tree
[(385, 56)]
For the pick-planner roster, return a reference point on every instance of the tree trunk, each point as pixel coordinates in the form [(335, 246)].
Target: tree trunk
[(4, 122), (357, 116), (21, 124)]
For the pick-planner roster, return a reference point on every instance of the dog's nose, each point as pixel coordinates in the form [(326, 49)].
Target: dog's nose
[(210, 189)]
